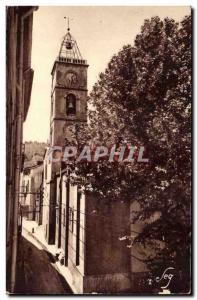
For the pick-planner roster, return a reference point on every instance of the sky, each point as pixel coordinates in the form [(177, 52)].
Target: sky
[(100, 32)]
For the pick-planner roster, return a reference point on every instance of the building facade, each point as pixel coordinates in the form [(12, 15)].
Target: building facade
[(31, 187), (19, 77)]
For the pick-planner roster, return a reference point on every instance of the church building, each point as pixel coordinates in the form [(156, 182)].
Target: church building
[(87, 231)]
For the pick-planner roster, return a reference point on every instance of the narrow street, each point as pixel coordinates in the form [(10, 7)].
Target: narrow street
[(36, 274)]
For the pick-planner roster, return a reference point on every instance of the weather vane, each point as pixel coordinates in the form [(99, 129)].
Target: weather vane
[(67, 23)]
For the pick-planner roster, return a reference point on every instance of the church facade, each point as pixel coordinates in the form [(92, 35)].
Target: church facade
[(86, 231)]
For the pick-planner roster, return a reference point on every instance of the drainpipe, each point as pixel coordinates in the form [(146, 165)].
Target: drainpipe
[(19, 135)]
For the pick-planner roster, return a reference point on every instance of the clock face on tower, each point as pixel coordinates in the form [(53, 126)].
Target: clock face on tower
[(72, 79)]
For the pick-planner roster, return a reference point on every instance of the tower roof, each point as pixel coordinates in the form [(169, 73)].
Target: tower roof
[(69, 50), (69, 47)]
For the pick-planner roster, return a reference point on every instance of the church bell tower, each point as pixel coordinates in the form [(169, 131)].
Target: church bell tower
[(68, 109), (69, 91)]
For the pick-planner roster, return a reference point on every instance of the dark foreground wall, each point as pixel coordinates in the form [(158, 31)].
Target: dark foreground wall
[(107, 257)]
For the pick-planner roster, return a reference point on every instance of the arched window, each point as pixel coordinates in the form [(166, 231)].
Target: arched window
[(70, 105)]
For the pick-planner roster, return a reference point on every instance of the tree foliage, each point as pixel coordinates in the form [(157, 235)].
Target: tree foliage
[(144, 98), (34, 148)]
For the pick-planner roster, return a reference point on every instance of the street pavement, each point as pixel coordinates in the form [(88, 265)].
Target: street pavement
[(36, 273)]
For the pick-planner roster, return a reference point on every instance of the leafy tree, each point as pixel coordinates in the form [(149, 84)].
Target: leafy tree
[(144, 98), (34, 148)]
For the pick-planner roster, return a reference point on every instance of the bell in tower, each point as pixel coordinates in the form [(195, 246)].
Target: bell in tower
[(71, 104), (68, 45)]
